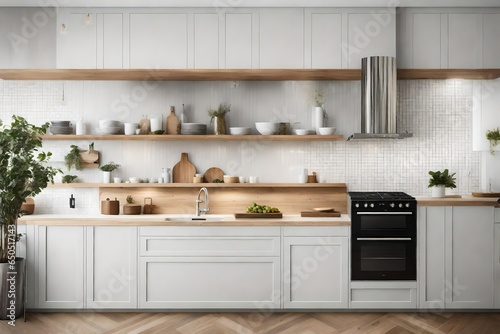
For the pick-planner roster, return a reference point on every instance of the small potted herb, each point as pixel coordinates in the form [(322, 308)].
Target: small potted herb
[(493, 137), (79, 159), (106, 171), (69, 178), (441, 180), (218, 118)]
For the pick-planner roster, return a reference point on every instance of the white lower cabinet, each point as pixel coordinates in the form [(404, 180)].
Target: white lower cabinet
[(209, 267), (111, 267), (59, 267), (383, 295), (456, 247), (315, 267)]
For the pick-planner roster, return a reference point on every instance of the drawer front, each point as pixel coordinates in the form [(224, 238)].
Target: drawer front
[(218, 231), (316, 231), (209, 246)]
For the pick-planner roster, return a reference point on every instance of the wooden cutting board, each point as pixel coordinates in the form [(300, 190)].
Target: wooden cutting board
[(258, 215), (478, 194), (320, 214), (183, 171), (213, 173), (173, 125)]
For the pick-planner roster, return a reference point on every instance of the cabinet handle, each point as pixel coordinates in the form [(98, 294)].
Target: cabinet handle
[(383, 239)]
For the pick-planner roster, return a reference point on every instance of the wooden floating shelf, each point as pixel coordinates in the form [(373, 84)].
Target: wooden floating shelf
[(197, 137), (196, 185), (236, 74)]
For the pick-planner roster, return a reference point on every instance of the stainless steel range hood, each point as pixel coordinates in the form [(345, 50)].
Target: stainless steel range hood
[(378, 99)]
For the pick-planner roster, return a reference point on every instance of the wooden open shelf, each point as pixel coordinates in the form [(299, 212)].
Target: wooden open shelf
[(196, 137), (196, 185), (237, 74)]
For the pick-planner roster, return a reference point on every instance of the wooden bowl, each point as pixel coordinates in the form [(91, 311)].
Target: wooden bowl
[(231, 179), (28, 208), (132, 209)]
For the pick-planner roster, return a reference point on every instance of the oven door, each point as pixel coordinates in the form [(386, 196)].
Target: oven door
[(389, 258), (384, 224)]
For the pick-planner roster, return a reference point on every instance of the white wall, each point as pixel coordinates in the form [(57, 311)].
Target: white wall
[(437, 112)]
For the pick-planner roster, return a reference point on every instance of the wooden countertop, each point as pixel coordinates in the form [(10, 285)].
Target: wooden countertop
[(159, 220), (464, 200)]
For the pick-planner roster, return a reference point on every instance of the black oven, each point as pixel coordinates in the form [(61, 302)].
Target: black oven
[(383, 236)]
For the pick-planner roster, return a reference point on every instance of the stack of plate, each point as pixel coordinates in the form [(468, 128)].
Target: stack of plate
[(193, 129), (109, 127), (61, 128), (240, 131)]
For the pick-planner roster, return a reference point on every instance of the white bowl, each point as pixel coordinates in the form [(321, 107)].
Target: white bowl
[(238, 131), (301, 132), (327, 131), (110, 130), (266, 128), (107, 123), (134, 179)]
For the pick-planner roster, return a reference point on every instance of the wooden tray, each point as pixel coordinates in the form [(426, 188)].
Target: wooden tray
[(320, 214), (258, 215), (485, 194)]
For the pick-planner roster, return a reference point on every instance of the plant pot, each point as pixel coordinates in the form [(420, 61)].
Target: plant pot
[(438, 191), (106, 177), (220, 125), (12, 282)]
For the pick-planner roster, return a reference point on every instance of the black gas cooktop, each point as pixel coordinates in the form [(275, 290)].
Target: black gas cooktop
[(379, 196)]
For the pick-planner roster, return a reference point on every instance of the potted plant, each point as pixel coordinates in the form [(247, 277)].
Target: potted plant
[(79, 159), (218, 118), (69, 178), (23, 173), (441, 180), (493, 137), (318, 114), (106, 171)]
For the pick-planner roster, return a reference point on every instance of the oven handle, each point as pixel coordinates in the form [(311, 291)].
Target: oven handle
[(383, 239), (384, 213)]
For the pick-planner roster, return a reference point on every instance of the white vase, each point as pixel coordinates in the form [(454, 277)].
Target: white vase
[(106, 177), (318, 119), (438, 191)]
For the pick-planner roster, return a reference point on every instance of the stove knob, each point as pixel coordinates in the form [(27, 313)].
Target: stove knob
[(366, 205), (356, 205), (372, 205), (400, 205), (391, 205), (407, 205)]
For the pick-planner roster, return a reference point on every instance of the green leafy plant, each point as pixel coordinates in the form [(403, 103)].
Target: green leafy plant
[(130, 200), (221, 111), (109, 167), (72, 159), (443, 178), (319, 98), (24, 172), (69, 178), (493, 137)]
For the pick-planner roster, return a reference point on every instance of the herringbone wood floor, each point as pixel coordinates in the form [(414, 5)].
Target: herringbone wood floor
[(248, 323)]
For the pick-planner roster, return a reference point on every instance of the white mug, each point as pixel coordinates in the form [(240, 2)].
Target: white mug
[(117, 180), (253, 179), (242, 179)]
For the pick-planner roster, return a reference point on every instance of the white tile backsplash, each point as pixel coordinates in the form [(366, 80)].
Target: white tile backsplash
[(437, 112)]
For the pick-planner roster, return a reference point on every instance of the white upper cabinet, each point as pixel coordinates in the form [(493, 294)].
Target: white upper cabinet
[(323, 38), (281, 38), (77, 40), (370, 34), (206, 40), (158, 40), (110, 41), (464, 38), (241, 40)]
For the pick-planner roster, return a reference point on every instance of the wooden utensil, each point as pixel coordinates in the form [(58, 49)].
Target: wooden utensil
[(258, 215), (173, 125), (213, 173), (480, 194), (183, 171)]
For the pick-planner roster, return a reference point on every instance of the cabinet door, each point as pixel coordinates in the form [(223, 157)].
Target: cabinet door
[(60, 266), (491, 47), (431, 256), (370, 34), (112, 267), (77, 42), (497, 265), (323, 38), (110, 40), (462, 41), (281, 38), (469, 262), (206, 40), (209, 282), (158, 40), (315, 272), (240, 35)]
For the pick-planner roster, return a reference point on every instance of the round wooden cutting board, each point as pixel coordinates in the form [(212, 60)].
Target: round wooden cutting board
[(213, 173)]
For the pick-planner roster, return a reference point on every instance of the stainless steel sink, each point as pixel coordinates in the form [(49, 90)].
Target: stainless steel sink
[(194, 218)]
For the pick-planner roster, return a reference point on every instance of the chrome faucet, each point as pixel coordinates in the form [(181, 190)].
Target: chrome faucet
[(198, 201)]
